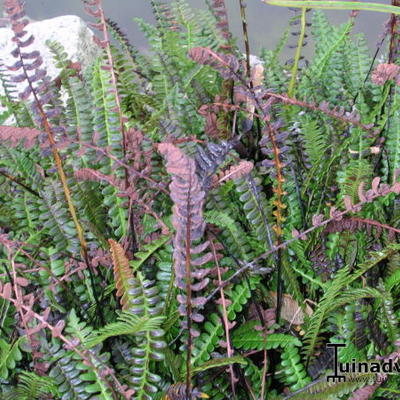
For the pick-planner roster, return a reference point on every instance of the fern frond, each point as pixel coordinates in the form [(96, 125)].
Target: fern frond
[(235, 237), (10, 354), (140, 298), (208, 340), (32, 387), (293, 371), (76, 380), (127, 324), (188, 221), (392, 135), (247, 337), (324, 390), (315, 324), (106, 123), (255, 207), (147, 251)]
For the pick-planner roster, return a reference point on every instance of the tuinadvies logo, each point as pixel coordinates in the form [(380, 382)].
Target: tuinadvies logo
[(358, 367)]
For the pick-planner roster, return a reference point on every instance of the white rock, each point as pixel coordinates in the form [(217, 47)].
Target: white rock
[(254, 60), (69, 30)]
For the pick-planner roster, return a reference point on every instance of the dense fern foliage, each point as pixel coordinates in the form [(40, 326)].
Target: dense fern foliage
[(187, 224)]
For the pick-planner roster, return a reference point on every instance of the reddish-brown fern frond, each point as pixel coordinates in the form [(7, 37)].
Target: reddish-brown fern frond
[(366, 392), (234, 172), (188, 198), (15, 136), (122, 272), (226, 64), (89, 174), (219, 10)]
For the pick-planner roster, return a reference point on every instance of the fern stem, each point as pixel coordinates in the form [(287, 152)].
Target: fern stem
[(225, 318), (298, 52), (18, 182), (188, 300), (245, 36), (63, 180)]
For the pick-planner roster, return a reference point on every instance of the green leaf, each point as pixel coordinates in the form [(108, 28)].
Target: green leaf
[(335, 5), (219, 362), (248, 338), (10, 354), (127, 324)]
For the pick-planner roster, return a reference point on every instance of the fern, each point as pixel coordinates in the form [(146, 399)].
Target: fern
[(74, 379), (234, 236), (294, 373), (148, 251), (117, 176), (127, 325), (208, 340), (10, 355), (392, 137), (32, 387), (255, 207), (248, 338), (139, 297), (322, 389), (106, 123)]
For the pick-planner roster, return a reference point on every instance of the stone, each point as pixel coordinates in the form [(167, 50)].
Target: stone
[(69, 30), (254, 60)]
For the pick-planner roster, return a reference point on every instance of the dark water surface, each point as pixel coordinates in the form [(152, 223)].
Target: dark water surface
[(266, 23)]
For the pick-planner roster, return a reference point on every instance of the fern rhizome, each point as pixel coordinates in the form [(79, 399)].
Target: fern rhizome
[(190, 223)]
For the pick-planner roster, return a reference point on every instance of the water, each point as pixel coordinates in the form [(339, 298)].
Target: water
[(266, 23)]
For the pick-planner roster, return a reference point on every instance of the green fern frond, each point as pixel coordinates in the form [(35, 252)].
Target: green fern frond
[(247, 337), (208, 340), (315, 140), (324, 390), (219, 362), (106, 123), (147, 251), (393, 280), (140, 298), (32, 387), (10, 354), (127, 324), (234, 236), (317, 319), (239, 295), (392, 134), (294, 373), (356, 171), (76, 380), (255, 207)]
